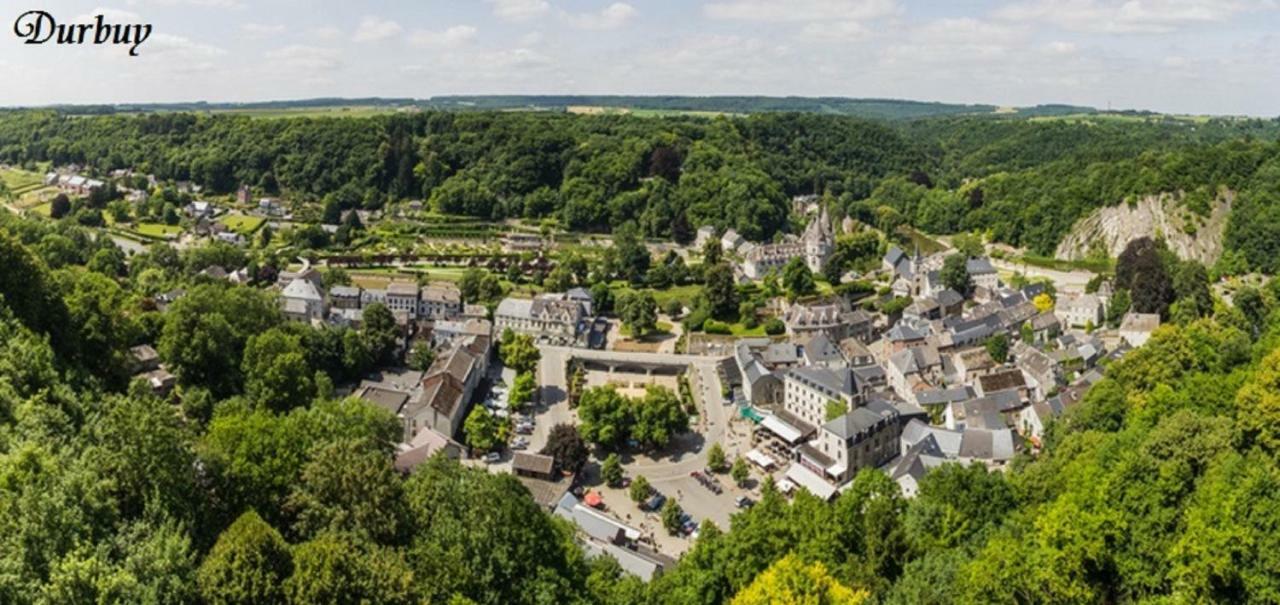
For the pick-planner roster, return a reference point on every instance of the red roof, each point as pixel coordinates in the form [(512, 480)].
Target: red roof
[(593, 499)]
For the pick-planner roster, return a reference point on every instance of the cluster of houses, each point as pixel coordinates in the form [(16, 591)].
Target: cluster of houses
[(432, 404), (850, 389), (68, 180)]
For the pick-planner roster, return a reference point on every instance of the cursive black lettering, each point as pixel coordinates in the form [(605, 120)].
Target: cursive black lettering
[(39, 27), (36, 26), (140, 35)]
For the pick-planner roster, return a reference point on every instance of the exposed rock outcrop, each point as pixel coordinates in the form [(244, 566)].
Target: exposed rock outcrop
[(1190, 235)]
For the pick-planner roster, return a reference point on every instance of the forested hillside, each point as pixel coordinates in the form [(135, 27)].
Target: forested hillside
[(1024, 181), (259, 487)]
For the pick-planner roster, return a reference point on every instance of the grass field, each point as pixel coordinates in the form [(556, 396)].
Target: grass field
[(44, 209), (36, 197), (242, 224), (159, 230), (742, 331), (596, 110), (20, 182), (1121, 117)]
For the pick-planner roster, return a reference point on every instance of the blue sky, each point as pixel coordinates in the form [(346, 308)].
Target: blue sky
[(1187, 56)]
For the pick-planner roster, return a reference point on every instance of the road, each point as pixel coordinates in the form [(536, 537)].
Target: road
[(1064, 281)]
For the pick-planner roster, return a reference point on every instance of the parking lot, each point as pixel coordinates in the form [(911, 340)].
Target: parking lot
[(668, 471)]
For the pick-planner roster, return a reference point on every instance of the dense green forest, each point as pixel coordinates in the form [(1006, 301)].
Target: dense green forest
[(1023, 181), (1163, 485)]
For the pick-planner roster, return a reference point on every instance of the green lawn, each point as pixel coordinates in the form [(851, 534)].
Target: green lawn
[(742, 331), (159, 230), (37, 196), (19, 182), (242, 224), (661, 329), (684, 294), (42, 209)]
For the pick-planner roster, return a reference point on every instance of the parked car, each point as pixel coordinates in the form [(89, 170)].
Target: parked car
[(524, 429), (492, 457), (743, 502), (520, 444), (655, 502)]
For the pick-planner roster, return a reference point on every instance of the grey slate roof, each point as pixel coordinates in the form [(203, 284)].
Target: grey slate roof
[(833, 382), (820, 349), (979, 266), (862, 420)]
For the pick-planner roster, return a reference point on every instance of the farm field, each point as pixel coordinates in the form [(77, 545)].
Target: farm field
[(21, 182), (356, 111)]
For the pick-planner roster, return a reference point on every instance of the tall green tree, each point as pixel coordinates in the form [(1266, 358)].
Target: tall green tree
[(249, 564), (349, 487), (798, 279), (955, 274), (276, 372)]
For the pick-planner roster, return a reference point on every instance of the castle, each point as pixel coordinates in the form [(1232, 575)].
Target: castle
[(815, 246)]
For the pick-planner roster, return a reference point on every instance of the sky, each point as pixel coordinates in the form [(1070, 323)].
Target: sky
[(1178, 56)]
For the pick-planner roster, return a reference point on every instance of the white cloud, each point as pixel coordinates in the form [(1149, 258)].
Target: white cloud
[(168, 43), (199, 3), (373, 29), (262, 30), (327, 32), (1128, 16), (957, 40), (450, 38), (519, 10), (109, 15), (836, 30), (303, 58), (800, 10), (612, 17), (1059, 47)]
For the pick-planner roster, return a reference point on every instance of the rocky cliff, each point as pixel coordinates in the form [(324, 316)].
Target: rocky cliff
[(1190, 235)]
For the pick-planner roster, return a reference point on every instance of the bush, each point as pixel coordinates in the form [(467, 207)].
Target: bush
[(715, 326), (673, 308), (774, 326)]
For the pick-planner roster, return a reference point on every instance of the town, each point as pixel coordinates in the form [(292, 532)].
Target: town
[(909, 361), (525, 356)]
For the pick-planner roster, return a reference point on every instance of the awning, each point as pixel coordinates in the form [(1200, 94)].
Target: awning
[(784, 431), (760, 459), (593, 499), (811, 481)]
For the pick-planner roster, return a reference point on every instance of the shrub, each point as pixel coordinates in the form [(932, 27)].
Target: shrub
[(774, 326), (715, 326)]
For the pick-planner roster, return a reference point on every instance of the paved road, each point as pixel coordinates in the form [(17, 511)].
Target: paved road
[(1069, 281), (554, 406)]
